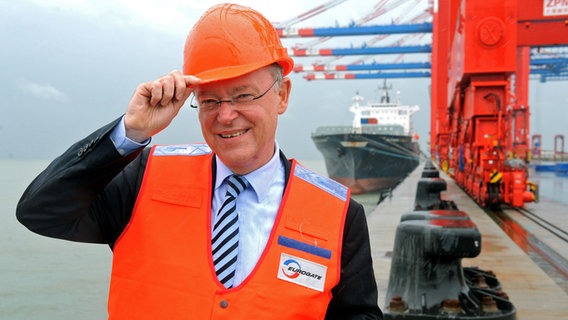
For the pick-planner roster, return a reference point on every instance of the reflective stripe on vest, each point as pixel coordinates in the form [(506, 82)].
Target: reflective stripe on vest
[(162, 267)]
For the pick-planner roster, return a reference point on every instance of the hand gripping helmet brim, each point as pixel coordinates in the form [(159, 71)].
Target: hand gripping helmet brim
[(231, 40)]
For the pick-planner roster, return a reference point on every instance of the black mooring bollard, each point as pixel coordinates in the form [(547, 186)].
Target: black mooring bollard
[(427, 279), (428, 192)]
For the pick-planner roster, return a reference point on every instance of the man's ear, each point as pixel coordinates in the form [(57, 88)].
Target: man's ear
[(284, 94)]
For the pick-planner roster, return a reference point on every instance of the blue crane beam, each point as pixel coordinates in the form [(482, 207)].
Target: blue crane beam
[(548, 61), (553, 77), (296, 52), (550, 69), (551, 63), (353, 30), (363, 67), (547, 68), (375, 75)]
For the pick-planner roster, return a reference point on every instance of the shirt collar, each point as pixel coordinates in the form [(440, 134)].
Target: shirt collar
[(259, 179)]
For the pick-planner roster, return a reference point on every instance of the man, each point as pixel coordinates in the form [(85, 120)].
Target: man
[(228, 229)]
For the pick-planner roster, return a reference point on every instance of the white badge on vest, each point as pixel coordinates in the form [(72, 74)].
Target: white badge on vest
[(303, 272)]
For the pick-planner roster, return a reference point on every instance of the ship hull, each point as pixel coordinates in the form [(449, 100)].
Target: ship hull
[(368, 162)]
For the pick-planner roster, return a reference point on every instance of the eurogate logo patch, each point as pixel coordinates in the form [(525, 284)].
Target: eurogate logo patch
[(302, 272), (291, 269)]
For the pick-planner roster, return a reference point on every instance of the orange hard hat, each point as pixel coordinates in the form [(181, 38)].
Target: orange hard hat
[(230, 40)]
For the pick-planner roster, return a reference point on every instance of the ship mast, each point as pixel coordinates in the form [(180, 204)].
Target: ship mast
[(385, 97)]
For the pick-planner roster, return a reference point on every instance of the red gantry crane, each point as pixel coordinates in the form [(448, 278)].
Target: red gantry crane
[(480, 75), (481, 60)]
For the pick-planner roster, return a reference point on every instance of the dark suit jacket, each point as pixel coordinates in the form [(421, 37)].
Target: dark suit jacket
[(87, 194)]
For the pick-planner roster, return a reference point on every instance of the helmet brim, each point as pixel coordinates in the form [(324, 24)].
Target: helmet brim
[(225, 73)]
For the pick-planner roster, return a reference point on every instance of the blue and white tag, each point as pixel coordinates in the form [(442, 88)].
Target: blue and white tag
[(331, 186), (302, 272), (182, 150)]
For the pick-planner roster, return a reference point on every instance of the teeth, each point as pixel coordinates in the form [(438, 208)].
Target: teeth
[(233, 134)]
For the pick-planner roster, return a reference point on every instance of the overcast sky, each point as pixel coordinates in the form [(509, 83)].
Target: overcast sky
[(68, 67)]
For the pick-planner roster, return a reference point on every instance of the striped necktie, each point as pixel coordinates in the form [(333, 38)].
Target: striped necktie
[(225, 237)]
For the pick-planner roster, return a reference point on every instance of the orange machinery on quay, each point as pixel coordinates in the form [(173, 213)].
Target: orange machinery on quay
[(480, 75)]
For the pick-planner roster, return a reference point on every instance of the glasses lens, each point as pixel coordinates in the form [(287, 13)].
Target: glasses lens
[(241, 99)]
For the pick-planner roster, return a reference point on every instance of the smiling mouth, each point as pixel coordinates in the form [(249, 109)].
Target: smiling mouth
[(232, 135)]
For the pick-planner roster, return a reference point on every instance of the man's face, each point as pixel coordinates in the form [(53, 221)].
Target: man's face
[(242, 135)]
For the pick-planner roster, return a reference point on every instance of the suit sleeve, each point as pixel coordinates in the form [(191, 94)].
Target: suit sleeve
[(355, 296), (86, 194)]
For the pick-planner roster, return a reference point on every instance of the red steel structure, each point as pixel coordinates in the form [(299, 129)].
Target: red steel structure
[(480, 75)]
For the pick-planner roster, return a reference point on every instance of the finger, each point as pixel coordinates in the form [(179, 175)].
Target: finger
[(191, 81), (180, 87), (168, 89), (185, 86), (156, 92)]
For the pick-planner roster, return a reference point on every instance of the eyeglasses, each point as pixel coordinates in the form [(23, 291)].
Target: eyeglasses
[(241, 99)]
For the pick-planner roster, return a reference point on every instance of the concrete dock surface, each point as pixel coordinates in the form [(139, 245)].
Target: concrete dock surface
[(533, 293)]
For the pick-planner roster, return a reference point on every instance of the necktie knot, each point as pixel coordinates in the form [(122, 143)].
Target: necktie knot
[(237, 184)]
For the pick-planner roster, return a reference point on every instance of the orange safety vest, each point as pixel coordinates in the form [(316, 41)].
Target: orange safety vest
[(162, 265)]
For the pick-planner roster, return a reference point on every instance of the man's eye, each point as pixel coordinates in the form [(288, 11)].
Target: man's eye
[(244, 97), (209, 102)]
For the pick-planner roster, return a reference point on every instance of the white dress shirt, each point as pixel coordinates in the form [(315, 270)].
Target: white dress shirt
[(257, 207)]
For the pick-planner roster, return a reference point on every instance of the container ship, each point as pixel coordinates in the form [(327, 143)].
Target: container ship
[(377, 152)]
